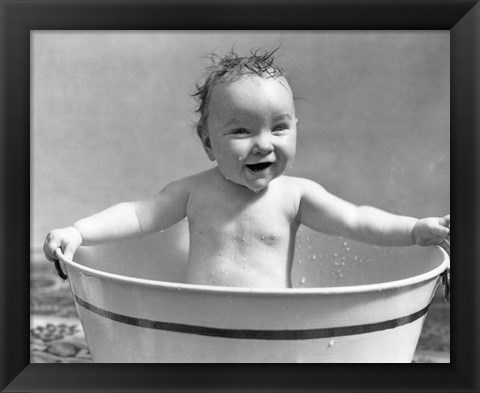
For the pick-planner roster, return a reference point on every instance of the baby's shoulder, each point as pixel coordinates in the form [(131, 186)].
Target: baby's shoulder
[(298, 184), (302, 189), (199, 183)]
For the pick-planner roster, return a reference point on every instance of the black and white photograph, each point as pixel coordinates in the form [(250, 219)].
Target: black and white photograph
[(240, 196), (236, 195)]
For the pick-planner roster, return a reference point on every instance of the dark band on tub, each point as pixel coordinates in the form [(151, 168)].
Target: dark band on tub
[(297, 334)]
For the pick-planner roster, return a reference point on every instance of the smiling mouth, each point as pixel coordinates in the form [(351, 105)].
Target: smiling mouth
[(259, 167)]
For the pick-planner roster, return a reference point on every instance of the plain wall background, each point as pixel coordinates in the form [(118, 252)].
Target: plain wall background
[(113, 120)]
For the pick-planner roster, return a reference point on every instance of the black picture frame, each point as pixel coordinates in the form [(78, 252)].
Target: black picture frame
[(19, 18)]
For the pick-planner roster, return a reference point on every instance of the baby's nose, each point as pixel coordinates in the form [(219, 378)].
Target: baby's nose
[(263, 145)]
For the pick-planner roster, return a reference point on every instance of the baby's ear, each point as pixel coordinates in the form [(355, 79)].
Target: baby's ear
[(207, 145)]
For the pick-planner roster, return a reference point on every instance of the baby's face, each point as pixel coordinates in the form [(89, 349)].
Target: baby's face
[(252, 130)]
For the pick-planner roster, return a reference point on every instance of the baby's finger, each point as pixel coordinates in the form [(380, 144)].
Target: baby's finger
[(49, 248), (68, 251), (441, 231), (445, 221)]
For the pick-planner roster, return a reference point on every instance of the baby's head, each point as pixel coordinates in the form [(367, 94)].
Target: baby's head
[(247, 118)]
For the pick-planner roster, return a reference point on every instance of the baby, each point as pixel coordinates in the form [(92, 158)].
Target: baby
[(245, 211)]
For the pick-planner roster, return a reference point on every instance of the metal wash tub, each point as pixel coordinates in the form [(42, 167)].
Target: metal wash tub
[(352, 303)]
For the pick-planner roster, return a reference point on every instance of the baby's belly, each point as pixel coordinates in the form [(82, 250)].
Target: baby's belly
[(264, 270)]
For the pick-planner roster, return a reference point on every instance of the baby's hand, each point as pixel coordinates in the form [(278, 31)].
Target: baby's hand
[(433, 231), (67, 239)]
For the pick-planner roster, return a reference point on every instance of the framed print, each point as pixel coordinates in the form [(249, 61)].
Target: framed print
[(43, 44)]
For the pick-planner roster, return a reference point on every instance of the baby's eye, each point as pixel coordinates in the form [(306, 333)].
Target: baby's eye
[(240, 131), (280, 128)]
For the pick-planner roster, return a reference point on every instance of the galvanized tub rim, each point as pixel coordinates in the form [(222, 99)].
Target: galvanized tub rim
[(352, 289)]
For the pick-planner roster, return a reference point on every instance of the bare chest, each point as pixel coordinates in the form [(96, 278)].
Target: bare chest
[(267, 219)]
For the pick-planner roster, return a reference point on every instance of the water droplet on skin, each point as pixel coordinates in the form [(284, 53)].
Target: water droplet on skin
[(345, 244), (162, 231), (314, 256), (335, 254), (243, 239), (302, 281), (263, 237), (240, 158), (331, 343), (348, 249)]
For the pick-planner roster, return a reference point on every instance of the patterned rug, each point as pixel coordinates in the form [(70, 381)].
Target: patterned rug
[(56, 335)]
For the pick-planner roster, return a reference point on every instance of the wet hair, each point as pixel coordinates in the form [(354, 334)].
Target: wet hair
[(230, 68)]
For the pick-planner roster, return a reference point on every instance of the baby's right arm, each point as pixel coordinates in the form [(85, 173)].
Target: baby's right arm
[(122, 221)]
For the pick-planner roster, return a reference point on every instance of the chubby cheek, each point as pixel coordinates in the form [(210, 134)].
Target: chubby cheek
[(229, 162), (231, 153), (287, 150), (291, 158)]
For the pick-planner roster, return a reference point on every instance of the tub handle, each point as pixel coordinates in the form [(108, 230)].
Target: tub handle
[(60, 272), (446, 284)]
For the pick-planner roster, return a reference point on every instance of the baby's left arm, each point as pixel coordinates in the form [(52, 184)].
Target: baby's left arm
[(327, 213)]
